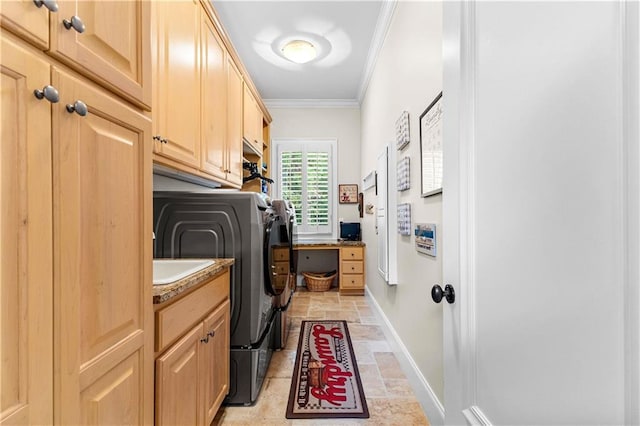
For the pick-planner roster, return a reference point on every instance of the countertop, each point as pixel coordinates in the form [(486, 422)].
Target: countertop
[(309, 244), (162, 293)]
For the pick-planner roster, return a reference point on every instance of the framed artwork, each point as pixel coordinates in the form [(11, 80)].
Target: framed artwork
[(402, 130), (404, 219), (348, 194), (426, 238), (431, 147), (404, 177)]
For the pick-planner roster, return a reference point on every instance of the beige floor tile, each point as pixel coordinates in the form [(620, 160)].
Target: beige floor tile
[(389, 396), (398, 388), (388, 365), (365, 332)]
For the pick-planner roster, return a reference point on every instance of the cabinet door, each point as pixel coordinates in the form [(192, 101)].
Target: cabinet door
[(234, 123), (177, 377), (215, 361), (248, 116), (114, 47), (176, 100), (27, 20), (213, 100), (26, 386), (102, 259)]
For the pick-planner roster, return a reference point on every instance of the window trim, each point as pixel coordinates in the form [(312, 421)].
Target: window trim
[(276, 144)]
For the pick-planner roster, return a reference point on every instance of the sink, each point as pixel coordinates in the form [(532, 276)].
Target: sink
[(167, 271)]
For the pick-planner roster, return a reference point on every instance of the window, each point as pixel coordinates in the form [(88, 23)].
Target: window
[(305, 175)]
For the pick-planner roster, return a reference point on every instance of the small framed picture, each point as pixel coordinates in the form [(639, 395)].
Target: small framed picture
[(348, 194)]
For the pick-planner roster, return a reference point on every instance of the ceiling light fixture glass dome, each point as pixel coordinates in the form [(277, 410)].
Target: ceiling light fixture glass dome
[(299, 51)]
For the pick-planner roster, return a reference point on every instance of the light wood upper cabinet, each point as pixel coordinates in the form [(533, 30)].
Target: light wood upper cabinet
[(176, 92), (102, 258), (112, 49), (252, 121), (114, 46), (213, 100), (26, 384), (27, 20), (234, 123)]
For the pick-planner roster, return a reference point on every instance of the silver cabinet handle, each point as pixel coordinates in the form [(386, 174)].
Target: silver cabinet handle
[(49, 4), (160, 139), (78, 107), (211, 334), (205, 340), (75, 23), (48, 92)]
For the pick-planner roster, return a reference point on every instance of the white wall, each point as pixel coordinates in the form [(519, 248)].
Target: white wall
[(407, 76), (340, 123)]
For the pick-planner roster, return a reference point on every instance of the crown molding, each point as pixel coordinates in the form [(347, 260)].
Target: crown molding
[(312, 103), (379, 35)]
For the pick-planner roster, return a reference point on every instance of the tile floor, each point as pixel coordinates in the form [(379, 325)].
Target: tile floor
[(389, 396)]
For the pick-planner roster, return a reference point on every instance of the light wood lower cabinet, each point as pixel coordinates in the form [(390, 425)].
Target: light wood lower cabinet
[(192, 366), (75, 278), (26, 334), (352, 270), (102, 258)]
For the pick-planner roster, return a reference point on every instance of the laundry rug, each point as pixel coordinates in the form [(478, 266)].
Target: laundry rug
[(326, 382)]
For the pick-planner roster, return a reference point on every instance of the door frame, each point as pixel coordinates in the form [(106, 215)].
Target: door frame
[(459, 334)]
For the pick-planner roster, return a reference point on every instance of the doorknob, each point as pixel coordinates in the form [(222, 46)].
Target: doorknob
[(437, 293)]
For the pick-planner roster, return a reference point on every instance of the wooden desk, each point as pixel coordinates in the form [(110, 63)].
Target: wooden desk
[(351, 265)]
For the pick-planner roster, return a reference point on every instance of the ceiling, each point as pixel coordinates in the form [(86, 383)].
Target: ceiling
[(347, 35)]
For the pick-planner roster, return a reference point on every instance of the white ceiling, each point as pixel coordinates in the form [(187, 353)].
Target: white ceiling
[(347, 34)]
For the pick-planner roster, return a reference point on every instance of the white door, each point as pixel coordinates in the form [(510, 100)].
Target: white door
[(540, 208)]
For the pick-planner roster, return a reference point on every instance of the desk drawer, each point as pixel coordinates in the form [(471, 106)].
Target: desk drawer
[(351, 267), (174, 320), (352, 253), (281, 254), (281, 268), (351, 281)]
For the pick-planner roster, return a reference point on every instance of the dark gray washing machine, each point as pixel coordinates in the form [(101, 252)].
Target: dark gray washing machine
[(282, 323), (239, 225)]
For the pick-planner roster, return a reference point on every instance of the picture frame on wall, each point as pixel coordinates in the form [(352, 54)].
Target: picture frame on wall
[(431, 148), (404, 175), (402, 130), (348, 193)]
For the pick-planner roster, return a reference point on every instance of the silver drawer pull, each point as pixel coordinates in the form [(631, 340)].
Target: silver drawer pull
[(78, 107), (75, 23), (49, 4), (48, 92)]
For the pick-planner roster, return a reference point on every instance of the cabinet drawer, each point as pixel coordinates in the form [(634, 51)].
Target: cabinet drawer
[(281, 254), (351, 281), (174, 320), (280, 281), (352, 253), (352, 267), (282, 268)]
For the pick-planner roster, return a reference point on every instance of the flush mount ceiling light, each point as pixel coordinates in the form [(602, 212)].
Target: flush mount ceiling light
[(299, 51)]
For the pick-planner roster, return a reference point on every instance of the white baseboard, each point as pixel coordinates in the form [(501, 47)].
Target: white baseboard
[(430, 403)]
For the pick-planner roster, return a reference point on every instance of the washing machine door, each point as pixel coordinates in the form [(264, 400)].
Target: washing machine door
[(272, 239)]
